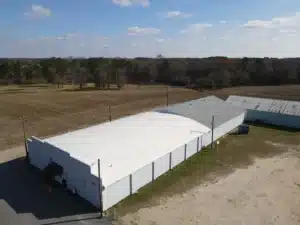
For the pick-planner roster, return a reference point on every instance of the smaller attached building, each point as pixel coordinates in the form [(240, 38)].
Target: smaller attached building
[(212, 112), (269, 111)]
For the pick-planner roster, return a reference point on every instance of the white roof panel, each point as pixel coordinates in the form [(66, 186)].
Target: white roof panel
[(128, 144), (203, 109), (264, 104)]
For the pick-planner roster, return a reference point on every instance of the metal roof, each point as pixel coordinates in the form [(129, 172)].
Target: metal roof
[(143, 137), (267, 105), (203, 109), (128, 144)]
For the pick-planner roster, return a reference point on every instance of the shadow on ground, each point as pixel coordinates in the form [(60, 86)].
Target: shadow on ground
[(75, 89), (273, 127), (22, 191)]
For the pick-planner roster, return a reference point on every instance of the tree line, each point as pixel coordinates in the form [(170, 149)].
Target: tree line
[(107, 73)]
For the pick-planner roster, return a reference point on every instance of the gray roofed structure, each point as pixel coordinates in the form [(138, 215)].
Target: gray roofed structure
[(266, 105), (203, 109)]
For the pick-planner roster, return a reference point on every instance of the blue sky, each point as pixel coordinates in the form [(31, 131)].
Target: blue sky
[(194, 28)]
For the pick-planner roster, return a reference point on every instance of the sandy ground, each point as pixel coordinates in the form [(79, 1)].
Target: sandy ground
[(266, 192), (12, 153)]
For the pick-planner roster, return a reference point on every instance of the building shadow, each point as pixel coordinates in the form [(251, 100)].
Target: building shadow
[(259, 123), (87, 89), (21, 188)]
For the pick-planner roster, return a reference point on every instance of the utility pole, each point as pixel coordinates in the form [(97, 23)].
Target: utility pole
[(109, 112), (24, 135), (100, 190), (212, 131), (167, 95)]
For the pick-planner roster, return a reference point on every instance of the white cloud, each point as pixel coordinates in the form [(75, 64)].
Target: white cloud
[(232, 40), (66, 37), (223, 22), (142, 30), (176, 14), (258, 24), (276, 22), (160, 40), (61, 37), (126, 3), (287, 31), (38, 11), (192, 28)]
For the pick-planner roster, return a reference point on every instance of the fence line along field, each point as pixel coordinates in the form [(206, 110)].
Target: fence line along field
[(48, 110)]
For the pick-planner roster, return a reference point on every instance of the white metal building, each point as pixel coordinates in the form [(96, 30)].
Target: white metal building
[(133, 150), (270, 111), (226, 117)]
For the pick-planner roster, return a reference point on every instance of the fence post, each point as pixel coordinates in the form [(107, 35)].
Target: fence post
[(170, 161), (130, 184), (212, 131), (185, 146), (197, 144), (25, 139), (109, 112), (153, 171), (100, 190), (115, 214)]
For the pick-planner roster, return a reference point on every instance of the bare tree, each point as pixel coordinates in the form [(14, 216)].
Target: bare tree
[(121, 78), (79, 75)]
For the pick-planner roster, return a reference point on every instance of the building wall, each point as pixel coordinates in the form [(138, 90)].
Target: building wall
[(222, 130), (38, 155), (127, 186), (77, 174), (206, 139), (162, 165), (228, 126), (141, 177), (177, 156), (273, 118), (116, 192), (191, 148)]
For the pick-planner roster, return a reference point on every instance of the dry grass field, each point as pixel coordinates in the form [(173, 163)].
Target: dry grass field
[(48, 110), (249, 179)]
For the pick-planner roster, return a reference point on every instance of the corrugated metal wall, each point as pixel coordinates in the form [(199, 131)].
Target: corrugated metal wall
[(228, 126), (77, 174), (116, 192), (273, 118)]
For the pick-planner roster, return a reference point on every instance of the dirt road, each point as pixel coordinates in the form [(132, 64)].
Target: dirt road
[(267, 192), (12, 153)]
